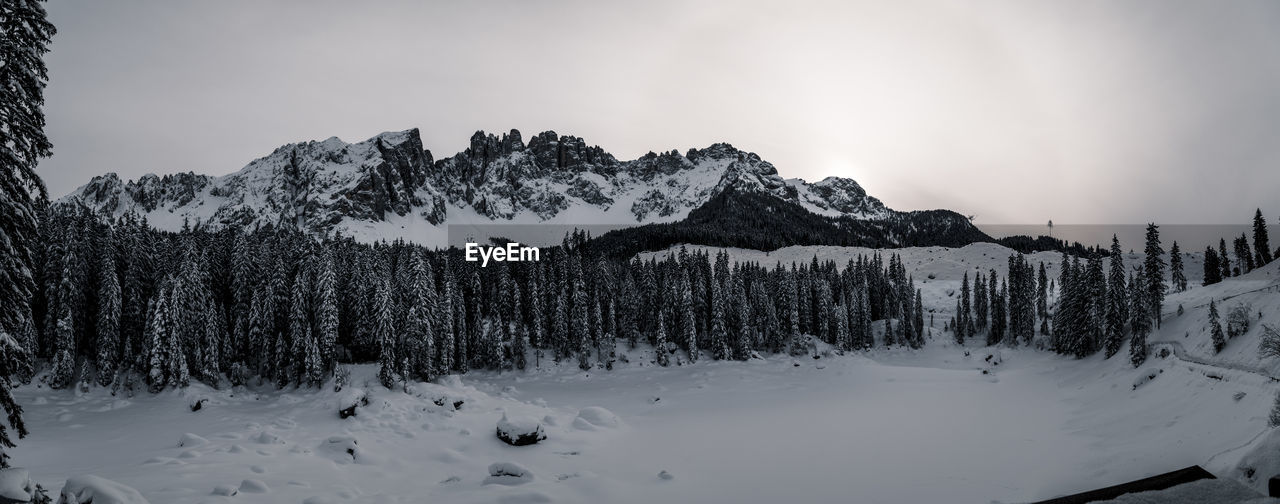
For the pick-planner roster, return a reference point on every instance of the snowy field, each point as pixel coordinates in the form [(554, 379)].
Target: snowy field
[(899, 426), (934, 425)]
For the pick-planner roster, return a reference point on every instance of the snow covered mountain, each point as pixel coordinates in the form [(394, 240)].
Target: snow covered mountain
[(389, 187)]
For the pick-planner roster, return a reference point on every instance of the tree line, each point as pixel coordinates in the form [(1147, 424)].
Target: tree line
[(122, 304), (1218, 264), (1097, 308)]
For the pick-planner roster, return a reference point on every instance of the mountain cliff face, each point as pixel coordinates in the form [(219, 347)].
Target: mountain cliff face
[(390, 186)]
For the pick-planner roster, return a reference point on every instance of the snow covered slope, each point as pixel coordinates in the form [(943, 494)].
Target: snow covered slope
[(390, 187)]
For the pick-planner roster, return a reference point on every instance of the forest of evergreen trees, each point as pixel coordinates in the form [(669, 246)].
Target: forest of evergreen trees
[(121, 304), (1218, 264)]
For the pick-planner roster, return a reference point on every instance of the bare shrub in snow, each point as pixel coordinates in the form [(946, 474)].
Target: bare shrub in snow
[(1274, 419), (1269, 346), (1238, 320)]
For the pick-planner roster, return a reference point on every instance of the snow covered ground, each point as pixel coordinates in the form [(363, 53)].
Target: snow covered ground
[(934, 425), (895, 426)]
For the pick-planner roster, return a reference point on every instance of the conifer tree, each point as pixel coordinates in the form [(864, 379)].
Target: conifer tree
[(660, 342), (259, 330), (157, 334), (597, 331), (965, 318), (957, 325), (1097, 302), (1117, 301), (62, 373), (719, 328), (1212, 267), (1140, 318), (822, 314), (842, 328), (1261, 243), (108, 335), (919, 320), (995, 329), (520, 346), (419, 353), (610, 334), (1244, 256), (299, 329), (537, 319), (560, 325), (385, 334), (1219, 339), (1154, 269), (520, 332), (1042, 300), (242, 281), (212, 343), (475, 350), (1002, 309), (791, 302), (461, 333), (1224, 260), (25, 33), (979, 303), (1178, 276), (687, 319), (313, 367), (578, 322), (444, 324), (327, 311), (627, 315)]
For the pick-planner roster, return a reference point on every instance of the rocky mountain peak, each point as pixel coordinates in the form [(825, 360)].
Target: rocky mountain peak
[(379, 187)]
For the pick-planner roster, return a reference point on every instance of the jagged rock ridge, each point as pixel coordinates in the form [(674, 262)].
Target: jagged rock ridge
[(390, 186)]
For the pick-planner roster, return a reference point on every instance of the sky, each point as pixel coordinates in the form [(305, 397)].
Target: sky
[(1082, 111)]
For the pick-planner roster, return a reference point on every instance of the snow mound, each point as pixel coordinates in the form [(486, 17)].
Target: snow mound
[(344, 450), (190, 439), (97, 490), (254, 486), (225, 490), (15, 485), (1146, 376), (508, 473), (594, 417), (520, 431), (350, 401), (1261, 463)]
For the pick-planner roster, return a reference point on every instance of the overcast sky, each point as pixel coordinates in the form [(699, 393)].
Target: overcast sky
[(1078, 111)]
